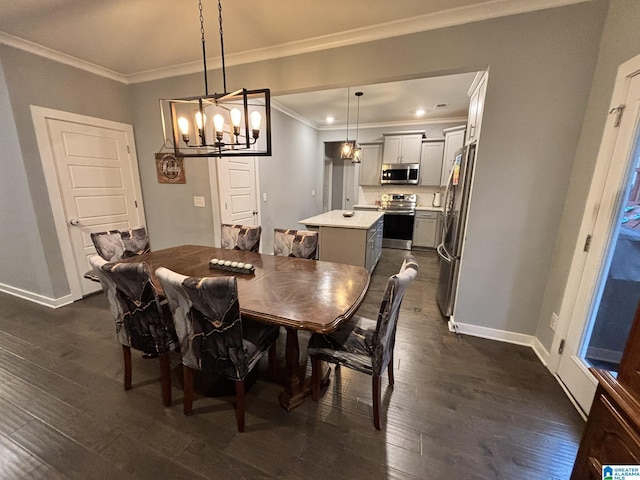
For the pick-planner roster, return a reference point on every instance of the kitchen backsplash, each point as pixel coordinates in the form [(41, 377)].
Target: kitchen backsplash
[(369, 194)]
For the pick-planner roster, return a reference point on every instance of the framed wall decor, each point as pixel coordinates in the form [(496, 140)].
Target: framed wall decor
[(170, 168)]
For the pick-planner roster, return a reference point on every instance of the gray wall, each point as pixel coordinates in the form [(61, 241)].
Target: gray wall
[(620, 42), (33, 80)]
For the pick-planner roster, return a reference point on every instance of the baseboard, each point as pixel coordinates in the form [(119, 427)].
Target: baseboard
[(540, 351), (36, 297), (491, 333)]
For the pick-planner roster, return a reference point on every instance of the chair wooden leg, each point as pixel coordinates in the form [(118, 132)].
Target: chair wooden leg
[(316, 378), (377, 396), (240, 405), (187, 402), (126, 351), (390, 370), (165, 378), (273, 362)]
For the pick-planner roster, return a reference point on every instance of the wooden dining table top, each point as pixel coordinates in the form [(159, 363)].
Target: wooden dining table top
[(293, 292)]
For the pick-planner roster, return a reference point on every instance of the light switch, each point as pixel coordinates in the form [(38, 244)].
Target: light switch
[(198, 201), (264, 197)]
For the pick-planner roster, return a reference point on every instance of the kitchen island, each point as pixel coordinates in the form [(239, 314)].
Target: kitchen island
[(355, 240)]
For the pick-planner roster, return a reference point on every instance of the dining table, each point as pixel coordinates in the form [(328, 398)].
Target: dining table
[(295, 293)]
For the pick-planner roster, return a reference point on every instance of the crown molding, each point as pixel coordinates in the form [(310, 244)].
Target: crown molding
[(448, 18), (296, 116), (37, 49), (403, 123)]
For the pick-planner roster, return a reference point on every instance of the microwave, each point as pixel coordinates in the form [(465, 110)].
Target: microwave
[(400, 173)]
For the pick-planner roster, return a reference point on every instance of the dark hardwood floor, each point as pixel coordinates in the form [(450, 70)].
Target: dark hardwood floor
[(462, 407)]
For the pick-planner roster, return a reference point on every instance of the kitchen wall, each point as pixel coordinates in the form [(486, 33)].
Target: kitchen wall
[(541, 65)]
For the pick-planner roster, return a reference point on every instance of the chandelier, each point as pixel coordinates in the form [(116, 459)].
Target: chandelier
[(357, 151), (346, 150), (221, 124)]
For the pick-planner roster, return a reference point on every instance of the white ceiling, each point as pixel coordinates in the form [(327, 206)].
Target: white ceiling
[(138, 40)]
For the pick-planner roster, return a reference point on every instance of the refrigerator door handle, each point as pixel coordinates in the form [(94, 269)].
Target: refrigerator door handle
[(443, 254)]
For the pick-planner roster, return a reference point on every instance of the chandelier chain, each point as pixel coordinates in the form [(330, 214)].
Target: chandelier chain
[(204, 49), (224, 74)]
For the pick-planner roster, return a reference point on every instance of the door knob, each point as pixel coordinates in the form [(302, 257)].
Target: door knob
[(74, 221)]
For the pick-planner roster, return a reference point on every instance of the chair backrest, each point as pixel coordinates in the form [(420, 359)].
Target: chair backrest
[(109, 245), (384, 339), (206, 314), (141, 322), (136, 241), (241, 237), (115, 245), (295, 243)]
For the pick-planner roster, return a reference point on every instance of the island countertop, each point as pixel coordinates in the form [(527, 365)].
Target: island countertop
[(360, 220)]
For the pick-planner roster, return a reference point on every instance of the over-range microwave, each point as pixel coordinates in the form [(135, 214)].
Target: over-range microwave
[(400, 173)]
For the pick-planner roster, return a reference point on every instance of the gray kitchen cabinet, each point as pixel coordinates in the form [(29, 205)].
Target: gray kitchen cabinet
[(431, 162), (371, 163), (476, 108), (402, 147), (453, 141), (426, 229)]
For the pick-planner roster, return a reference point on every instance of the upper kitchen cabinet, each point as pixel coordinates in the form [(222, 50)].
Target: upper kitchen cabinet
[(431, 162), (476, 107), (402, 147), (371, 163), (453, 141)]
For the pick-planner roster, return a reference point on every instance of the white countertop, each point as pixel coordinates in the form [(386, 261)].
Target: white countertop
[(361, 219)]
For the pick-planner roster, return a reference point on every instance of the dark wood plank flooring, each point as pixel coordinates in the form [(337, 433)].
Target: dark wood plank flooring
[(462, 407)]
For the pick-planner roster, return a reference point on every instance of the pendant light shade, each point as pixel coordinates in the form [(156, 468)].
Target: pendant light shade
[(346, 151), (357, 151), (221, 124)]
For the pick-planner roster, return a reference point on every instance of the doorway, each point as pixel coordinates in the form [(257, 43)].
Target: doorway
[(342, 178), (605, 272)]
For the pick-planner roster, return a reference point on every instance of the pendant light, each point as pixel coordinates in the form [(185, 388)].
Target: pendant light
[(357, 151), (346, 151), (222, 124)]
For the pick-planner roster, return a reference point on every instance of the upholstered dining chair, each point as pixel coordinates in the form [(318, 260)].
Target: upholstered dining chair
[(295, 243), (241, 237), (363, 344), (213, 336), (135, 241), (142, 323), (114, 245)]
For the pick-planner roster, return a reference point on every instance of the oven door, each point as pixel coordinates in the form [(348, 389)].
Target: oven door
[(398, 230)]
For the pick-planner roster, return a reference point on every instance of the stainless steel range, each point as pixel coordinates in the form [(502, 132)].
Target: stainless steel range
[(399, 213)]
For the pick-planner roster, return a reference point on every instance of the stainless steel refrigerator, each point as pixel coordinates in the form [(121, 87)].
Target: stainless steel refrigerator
[(455, 207)]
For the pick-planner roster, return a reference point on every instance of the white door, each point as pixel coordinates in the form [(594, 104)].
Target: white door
[(350, 186), (238, 190), (93, 182), (617, 157)]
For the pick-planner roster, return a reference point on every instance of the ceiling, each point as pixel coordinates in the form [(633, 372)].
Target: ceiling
[(140, 40)]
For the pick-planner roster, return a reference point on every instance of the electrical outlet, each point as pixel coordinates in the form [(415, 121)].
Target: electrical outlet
[(313, 193), (198, 201), (264, 196), (554, 321)]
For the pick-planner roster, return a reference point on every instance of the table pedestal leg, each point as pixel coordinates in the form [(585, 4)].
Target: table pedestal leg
[(295, 387)]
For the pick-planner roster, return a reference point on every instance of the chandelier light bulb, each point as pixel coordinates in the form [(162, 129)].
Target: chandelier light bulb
[(183, 125), (199, 120), (256, 118), (236, 116), (218, 122)]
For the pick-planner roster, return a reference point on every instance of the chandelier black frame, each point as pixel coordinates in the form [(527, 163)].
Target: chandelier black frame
[(210, 133)]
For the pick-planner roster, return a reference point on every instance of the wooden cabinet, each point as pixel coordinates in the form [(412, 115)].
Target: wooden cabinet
[(453, 141), (426, 229), (612, 434), (402, 147), (431, 162), (370, 163), (476, 108)]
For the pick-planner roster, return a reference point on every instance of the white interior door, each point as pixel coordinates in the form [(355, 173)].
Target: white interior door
[(608, 191), (238, 191), (350, 186), (91, 171)]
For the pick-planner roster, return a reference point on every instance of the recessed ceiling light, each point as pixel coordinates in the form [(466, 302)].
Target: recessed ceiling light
[(330, 120), (420, 112)]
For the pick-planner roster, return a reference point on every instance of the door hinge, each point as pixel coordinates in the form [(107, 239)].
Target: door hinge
[(561, 347), (587, 243), (128, 149), (618, 111), (135, 202)]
